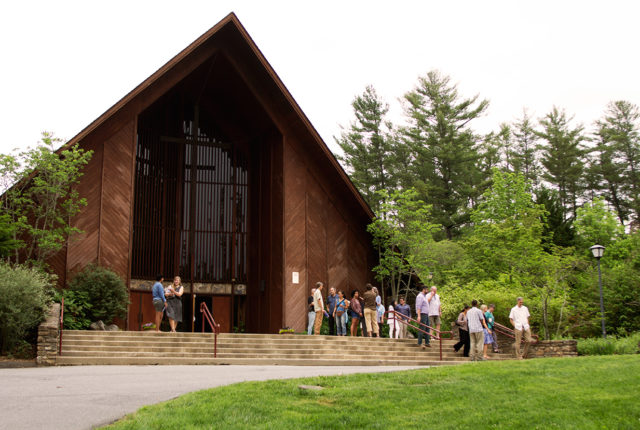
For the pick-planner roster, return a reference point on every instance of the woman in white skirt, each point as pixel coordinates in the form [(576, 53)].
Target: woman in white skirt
[(392, 322)]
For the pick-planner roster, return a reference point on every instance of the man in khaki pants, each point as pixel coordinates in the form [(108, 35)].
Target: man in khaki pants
[(318, 306), (370, 311), (475, 322), (519, 317)]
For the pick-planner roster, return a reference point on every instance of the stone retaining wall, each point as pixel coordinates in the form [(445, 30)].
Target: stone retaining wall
[(543, 348), (49, 337)]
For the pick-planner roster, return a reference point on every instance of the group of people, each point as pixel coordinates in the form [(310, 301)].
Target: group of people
[(168, 300), (476, 324), (363, 311), (477, 330)]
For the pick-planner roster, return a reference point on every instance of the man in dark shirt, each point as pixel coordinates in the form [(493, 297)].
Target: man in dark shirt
[(405, 310), (332, 300)]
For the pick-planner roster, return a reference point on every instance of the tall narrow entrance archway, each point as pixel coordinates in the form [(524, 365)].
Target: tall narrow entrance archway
[(192, 200)]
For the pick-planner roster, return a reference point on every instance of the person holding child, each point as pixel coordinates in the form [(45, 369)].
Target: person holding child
[(173, 293)]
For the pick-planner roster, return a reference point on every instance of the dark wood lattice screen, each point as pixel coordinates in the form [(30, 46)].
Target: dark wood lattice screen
[(190, 218)]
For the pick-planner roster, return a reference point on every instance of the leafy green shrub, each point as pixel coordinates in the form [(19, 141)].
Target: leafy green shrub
[(26, 294), (609, 346), (105, 291), (76, 308)]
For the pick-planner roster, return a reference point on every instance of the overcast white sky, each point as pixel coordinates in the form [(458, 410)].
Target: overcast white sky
[(65, 62)]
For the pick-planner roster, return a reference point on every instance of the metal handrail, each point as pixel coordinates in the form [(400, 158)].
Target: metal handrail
[(215, 327), (405, 320), (61, 325), (504, 330)]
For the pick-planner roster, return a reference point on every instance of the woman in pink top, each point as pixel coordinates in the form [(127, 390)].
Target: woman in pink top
[(355, 309)]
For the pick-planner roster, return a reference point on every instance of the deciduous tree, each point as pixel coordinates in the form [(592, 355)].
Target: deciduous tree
[(42, 199)]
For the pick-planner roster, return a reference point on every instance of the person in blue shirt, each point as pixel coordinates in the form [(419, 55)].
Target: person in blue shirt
[(332, 300), (159, 300)]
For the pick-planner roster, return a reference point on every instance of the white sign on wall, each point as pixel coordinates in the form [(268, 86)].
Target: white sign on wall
[(295, 278)]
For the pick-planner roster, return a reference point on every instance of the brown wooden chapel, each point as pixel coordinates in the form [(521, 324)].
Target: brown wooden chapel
[(210, 170)]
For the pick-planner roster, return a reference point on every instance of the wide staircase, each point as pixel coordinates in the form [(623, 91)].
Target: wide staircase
[(130, 347)]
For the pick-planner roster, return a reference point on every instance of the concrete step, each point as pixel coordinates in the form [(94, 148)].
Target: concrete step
[(196, 337), (176, 350), (238, 347), (271, 355), (98, 347), (99, 360)]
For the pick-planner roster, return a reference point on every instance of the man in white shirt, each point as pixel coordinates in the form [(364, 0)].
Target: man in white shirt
[(475, 321), (433, 298), (519, 317), (318, 305)]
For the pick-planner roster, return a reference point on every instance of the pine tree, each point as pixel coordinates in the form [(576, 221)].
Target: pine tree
[(618, 157), (563, 158), (444, 165), (524, 157), (369, 149)]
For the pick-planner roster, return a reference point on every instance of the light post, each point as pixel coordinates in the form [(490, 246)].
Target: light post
[(598, 251)]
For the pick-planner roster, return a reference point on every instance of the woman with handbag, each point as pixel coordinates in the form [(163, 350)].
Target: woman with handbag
[(340, 313), (355, 309)]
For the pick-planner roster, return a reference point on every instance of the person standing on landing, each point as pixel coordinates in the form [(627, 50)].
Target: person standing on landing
[(173, 295), (519, 317), (311, 315), (422, 312), (340, 313), (370, 311), (332, 299), (491, 321), (463, 331), (476, 323), (159, 300), (379, 311), (392, 321), (405, 311), (318, 305), (435, 312), (356, 312)]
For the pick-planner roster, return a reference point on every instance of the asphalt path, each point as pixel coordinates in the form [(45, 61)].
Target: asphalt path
[(84, 397)]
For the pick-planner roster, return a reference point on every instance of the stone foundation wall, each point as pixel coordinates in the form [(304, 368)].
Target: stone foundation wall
[(49, 337), (543, 348)]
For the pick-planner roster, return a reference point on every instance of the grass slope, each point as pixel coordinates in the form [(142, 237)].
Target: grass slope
[(580, 393)]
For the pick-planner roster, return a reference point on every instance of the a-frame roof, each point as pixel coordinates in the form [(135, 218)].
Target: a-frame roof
[(230, 23)]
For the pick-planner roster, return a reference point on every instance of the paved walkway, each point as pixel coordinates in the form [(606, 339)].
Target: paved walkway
[(83, 397)]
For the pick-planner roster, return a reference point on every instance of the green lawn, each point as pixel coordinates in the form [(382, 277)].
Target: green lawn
[(580, 393)]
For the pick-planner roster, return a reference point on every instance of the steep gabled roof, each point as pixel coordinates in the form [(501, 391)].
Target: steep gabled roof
[(230, 21)]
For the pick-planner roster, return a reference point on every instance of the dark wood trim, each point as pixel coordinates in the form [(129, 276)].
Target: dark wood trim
[(100, 210), (131, 206)]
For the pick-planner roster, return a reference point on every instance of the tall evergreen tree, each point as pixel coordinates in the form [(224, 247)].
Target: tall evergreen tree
[(444, 164), (563, 158), (618, 157), (370, 155), (497, 150), (607, 174), (524, 157)]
